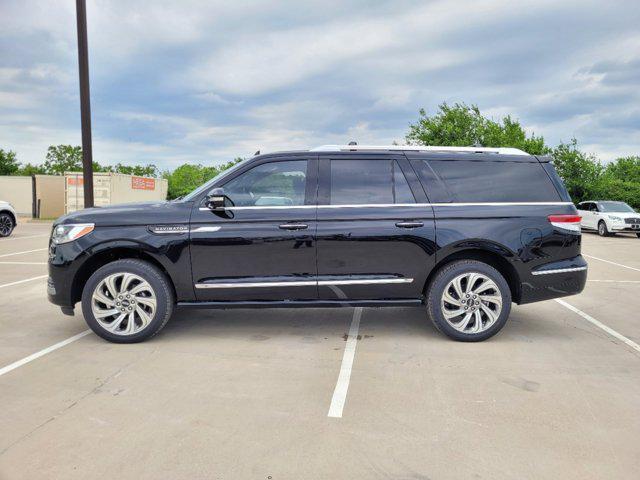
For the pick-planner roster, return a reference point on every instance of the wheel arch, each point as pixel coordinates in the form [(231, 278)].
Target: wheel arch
[(108, 255), (491, 254), (11, 214)]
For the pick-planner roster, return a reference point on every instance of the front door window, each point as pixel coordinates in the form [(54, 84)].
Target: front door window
[(269, 184)]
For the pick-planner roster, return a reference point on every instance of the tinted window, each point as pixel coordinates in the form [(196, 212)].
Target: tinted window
[(470, 181), (269, 184), (358, 182), (402, 192)]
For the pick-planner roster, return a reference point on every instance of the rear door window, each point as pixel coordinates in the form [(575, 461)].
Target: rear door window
[(368, 182), (472, 181)]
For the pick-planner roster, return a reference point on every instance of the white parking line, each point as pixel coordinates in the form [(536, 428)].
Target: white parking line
[(342, 386), (612, 263), (42, 352), (600, 325), (23, 238), (23, 263), (23, 281), (20, 253)]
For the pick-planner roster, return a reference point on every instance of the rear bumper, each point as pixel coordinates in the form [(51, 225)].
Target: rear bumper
[(554, 280)]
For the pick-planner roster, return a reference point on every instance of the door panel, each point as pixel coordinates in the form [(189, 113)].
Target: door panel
[(583, 211), (379, 246), (261, 248)]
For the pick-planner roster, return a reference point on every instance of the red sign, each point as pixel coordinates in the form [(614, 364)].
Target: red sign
[(142, 183), (77, 181)]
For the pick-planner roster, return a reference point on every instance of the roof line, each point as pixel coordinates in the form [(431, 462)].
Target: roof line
[(419, 148)]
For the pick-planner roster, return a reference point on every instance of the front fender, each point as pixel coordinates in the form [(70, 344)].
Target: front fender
[(70, 263)]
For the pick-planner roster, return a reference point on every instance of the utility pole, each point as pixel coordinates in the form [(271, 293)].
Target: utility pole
[(85, 104)]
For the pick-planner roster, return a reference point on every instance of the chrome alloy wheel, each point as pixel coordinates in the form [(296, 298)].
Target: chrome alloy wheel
[(123, 303), (6, 225), (471, 303)]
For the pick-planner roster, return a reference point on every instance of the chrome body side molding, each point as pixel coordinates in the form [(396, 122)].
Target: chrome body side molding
[(559, 270), (304, 283)]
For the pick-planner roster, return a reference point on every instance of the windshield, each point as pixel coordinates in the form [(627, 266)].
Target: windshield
[(615, 207), (206, 186)]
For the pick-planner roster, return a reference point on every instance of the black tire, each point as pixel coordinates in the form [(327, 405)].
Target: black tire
[(638, 235), (153, 276), (6, 224), (436, 291), (603, 231)]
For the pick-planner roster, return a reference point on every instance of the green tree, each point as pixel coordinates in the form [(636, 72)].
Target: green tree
[(620, 180), (462, 125), (580, 171), (188, 177), (63, 158), (626, 169), (9, 165), (610, 188), (31, 169), (138, 170)]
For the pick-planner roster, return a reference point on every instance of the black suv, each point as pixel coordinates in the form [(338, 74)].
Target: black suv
[(465, 231)]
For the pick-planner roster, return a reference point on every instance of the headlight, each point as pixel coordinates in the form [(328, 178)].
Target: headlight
[(615, 219), (71, 232)]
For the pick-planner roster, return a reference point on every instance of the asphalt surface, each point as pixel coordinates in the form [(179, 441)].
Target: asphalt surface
[(247, 393)]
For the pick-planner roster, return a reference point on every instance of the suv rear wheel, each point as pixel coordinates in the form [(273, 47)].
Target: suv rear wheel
[(6, 224), (127, 301), (469, 301)]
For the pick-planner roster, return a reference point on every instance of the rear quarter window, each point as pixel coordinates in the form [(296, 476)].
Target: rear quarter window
[(486, 181)]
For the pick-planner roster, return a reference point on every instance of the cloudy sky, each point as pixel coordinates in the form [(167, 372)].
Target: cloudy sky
[(181, 81)]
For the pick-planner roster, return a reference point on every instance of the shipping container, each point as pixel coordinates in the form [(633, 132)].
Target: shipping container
[(112, 189)]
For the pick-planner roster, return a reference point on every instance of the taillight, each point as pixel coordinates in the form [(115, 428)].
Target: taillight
[(566, 222)]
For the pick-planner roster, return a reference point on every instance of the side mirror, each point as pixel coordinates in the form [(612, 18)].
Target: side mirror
[(215, 199)]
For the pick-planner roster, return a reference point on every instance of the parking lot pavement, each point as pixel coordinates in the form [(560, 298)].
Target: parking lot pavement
[(245, 393)]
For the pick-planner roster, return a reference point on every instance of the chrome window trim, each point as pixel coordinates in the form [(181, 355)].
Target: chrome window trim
[(387, 205), (304, 283), (559, 270)]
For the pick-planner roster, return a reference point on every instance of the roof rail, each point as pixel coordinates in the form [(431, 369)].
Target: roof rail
[(418, 148)]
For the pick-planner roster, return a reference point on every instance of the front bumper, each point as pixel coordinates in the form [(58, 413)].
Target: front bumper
[(64, 263), (625, 227), (554, 280)]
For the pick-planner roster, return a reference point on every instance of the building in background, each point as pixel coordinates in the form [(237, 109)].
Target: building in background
[(49, 196), (113, 188)]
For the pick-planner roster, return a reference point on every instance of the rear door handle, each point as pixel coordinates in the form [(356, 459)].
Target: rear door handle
[(293, 226), (409, 224)]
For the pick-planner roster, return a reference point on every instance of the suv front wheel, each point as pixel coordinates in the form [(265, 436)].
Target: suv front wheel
[(603, 231), (127, 301), (6, 224), (469, 301)]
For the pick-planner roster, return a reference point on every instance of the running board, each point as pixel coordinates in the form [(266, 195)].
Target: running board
[(404, 302)]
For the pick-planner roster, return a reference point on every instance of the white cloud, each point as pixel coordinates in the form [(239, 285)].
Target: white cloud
[(207, 81)]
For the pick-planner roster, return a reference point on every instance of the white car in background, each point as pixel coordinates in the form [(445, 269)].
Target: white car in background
[(8, 219), (608, 218)]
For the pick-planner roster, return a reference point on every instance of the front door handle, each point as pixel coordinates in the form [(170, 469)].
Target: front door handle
[(409, 224), (293, 226)]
